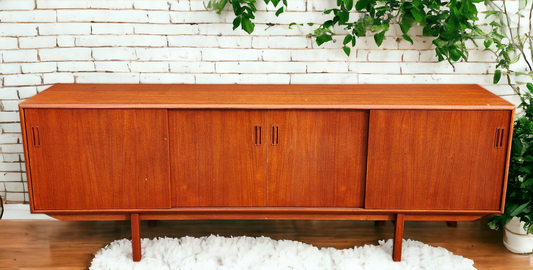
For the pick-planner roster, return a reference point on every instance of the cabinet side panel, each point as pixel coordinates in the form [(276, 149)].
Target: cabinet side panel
[(319, 159), (98, 158), (430, 160), (218, 157)]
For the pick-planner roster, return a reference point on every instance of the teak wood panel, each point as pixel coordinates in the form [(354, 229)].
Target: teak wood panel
[(451, 160), (218, 157), (98, 158), (317, 157)]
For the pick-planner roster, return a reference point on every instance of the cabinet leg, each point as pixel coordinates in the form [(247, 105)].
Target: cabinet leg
[(452, 224), (136, 237), (398, 237), (152, 223)]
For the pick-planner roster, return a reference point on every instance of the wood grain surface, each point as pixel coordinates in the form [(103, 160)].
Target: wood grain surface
[(319, 159), (362, 96), (436, 159), (214, 158), (98, 159), (49, 244)]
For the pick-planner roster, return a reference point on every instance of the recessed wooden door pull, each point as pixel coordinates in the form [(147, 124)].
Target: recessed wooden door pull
[(275, 135), (257, 135), (36, 138)]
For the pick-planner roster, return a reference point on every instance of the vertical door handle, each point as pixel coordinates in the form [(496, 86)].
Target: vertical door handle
[(257, 135), (498, 140), (275, 135), (35, 136)]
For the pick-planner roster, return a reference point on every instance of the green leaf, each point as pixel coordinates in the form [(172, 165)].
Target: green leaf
[(280, 10), (497, 76), (344, 16), (418, 15), (285, 3), (247, 25), (379, 37), (487, 43), (519, 209), (322, 39), (530, 87), (408, 38), (346, 50), (347, 39), (522, 4), (348, 4), (275, 2), (361, 4), (236, 22), (515, 59)]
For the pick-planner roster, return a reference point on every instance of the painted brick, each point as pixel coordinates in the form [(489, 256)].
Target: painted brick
[(179, 5), (112, 28), (411, 56), (281, 42), (103, 4), (15, 197), (119, 16), (167, 78), (20, 56), (367, 43), (170, 29), (39, 67), (129, 40), (290, 17), (426, 68), (324, 78), (16, 80), (199, 5), (10, 68), (481, 56), (428, 56), (17, 29), (10, 127), (176, 54), (151, 5), (53, 78), (385, 56), (101, 77), (8, 43), (116, 53), (65, 29), (10, 105), (26, 92), (37, 42), (17, 4), (66, 41), (28, 16), (6, 117), (148, 67), (41, 88), (453, 79), (12, 157), (14, 186), (215, 54), (326, 67), (112, 66), (276, 55), (388, 79), (261, 67), (10, 177), (65, 54), (310, 55), (192, 67), (320, 5), (200, 17), (420, 43), (243, 78), (75, 66), (10, 138), (210, 41), (474, 68), (9, 93), (374, 68), (9, 167)]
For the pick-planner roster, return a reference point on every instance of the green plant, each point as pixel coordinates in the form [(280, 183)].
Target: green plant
[(513, 48)]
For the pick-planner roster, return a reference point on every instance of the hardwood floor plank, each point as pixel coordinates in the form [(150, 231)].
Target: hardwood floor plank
[(49, 244)]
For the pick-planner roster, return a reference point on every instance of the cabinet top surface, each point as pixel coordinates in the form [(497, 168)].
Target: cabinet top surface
[(406, 96)]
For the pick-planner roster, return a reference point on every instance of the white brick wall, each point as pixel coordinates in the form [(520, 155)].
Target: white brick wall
[(43, 42)]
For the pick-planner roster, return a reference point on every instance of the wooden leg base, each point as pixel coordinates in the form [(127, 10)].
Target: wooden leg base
[(136, 237), (398, 238)]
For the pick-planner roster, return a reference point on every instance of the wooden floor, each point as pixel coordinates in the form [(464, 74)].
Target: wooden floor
[(53, 244)]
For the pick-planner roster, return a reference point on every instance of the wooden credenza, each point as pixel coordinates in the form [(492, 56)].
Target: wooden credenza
[(373, 152)]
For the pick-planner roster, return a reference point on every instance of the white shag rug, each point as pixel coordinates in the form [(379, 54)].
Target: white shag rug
[(263, 253)]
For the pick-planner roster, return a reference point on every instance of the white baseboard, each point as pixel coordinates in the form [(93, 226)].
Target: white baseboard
[(21, 211)]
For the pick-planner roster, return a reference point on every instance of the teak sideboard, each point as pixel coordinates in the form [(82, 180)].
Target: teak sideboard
[(370, 152)]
